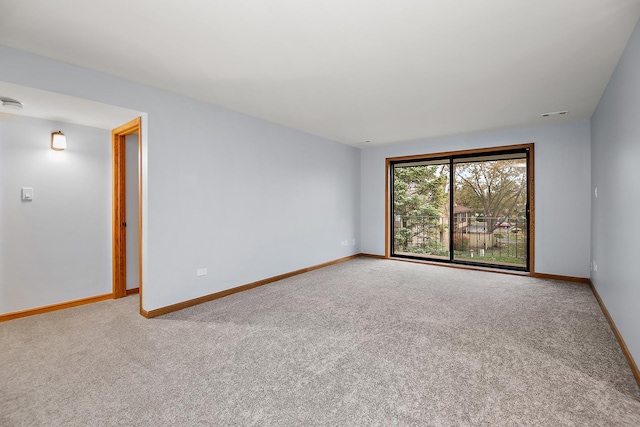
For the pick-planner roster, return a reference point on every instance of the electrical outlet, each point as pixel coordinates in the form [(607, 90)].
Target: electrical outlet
[(27, 194), (354, 242), (595, 266), (201, 272), (595, 192)]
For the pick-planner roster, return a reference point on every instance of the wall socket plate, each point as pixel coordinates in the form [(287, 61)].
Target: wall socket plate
[(27, 194), (202, 272)]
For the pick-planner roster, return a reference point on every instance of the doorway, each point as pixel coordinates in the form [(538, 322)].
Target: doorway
[(127, 223), (469, 207)]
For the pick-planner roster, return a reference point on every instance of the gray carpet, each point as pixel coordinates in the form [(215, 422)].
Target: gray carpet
[(364, 343)]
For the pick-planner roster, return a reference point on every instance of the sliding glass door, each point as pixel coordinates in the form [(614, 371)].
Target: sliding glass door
[(469, 208)]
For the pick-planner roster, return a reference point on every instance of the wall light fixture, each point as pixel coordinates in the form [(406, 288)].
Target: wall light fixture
[(58, 141)]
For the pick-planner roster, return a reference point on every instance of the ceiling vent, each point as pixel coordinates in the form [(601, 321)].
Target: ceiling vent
[(11, 103), (555, 113)]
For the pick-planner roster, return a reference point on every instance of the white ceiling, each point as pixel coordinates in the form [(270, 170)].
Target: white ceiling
[(63, 108), (348, 70)]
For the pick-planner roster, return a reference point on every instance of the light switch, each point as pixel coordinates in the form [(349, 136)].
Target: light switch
[(27, 194)]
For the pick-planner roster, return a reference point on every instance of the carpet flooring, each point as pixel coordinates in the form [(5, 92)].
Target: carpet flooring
[(364, 343)]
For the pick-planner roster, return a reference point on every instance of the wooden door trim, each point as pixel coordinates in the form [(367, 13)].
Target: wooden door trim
[(119, 135)]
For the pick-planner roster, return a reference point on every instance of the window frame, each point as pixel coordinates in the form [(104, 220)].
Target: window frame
[(456, 157)]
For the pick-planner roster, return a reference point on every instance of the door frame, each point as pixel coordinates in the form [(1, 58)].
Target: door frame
[(529, 147), (119, 248)]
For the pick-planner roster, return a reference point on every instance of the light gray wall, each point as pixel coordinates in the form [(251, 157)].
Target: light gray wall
[(56, 248), (562, 205), (131, 206), (245, 198), (615, 148)]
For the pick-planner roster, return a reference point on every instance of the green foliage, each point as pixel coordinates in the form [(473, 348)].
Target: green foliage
[(512, 253), (429, 247), (402, 238), (419, 196), (435, 251), (419, 191)]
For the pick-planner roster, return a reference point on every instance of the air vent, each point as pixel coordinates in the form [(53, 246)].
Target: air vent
[(11, 103), (555, 113)]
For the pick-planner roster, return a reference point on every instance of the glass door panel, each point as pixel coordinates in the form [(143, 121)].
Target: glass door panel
[(490, 224), (420, 209)]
